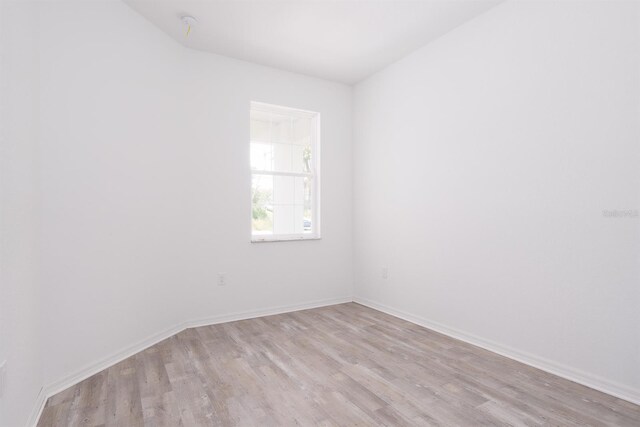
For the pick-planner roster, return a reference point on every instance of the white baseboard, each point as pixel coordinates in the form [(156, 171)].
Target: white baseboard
[(592, 381), (615, 389), (106, 362), (38, 407), (101, 364), (213, 320)]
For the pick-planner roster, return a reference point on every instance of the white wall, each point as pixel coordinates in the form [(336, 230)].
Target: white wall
[(146, 186), (482, 166), (19, 291)]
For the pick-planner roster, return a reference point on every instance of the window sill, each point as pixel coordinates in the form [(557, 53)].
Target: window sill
[(272, 239)]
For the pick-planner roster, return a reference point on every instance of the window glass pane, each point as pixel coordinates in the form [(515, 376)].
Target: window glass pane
[(261, 156), (262, 204), (281, 129), (260, 126), (289, 204), (281, 143), (306, 205), (281, 204), (301, 145), (283, 219), (282, 157)]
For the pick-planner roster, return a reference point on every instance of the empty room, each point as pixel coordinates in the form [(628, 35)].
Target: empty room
[(319, 213)]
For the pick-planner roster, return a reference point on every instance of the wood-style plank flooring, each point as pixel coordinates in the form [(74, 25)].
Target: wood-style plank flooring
[(344, 365)]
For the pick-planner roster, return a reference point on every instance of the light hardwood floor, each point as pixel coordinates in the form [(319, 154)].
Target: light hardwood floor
[(341, 365)]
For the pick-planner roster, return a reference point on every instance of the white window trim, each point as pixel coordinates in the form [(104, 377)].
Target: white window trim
[(315, 174)]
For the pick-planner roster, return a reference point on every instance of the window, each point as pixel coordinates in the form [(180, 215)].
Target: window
[(285, 183)]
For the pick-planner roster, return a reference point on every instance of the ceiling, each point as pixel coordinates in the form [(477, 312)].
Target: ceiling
[(344, 41)]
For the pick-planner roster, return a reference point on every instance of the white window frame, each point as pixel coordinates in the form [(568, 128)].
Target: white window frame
[(314, 175)]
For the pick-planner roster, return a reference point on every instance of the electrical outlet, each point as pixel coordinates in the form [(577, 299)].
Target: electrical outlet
[(222, 279), (385, 272), (3, 376)]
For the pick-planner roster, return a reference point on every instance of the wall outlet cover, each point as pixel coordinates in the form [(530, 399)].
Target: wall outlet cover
[(222, 279)]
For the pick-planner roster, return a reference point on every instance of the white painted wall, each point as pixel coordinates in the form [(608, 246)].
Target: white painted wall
[(19, 290), (482, 166), (146, 186)]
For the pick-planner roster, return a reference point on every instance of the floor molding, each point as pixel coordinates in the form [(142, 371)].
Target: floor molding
[(38, 407), (597, 383), (592, 381), (93, 368), (213, 320)]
